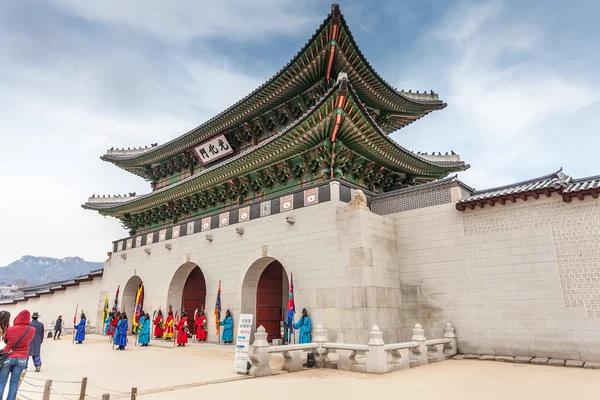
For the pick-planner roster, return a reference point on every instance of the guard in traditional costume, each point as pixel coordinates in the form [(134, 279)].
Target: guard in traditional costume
[(182, 330), (304, 326), (80, 327), (107, 323), (227, 325), (200, 326), (144, 337), (168, 326), (158, 327), (114, 321), (121, 332)]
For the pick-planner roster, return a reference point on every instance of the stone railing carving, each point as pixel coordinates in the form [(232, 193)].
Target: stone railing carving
[(376, 357)]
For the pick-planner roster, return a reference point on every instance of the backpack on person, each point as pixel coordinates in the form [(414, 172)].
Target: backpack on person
[(4, 355)]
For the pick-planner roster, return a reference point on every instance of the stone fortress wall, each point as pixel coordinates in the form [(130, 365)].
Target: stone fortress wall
[(87, 296), (514, 279), (518, 279)]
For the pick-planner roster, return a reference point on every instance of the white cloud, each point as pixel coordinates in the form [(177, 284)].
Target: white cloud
[(505, 95), (184, 20)]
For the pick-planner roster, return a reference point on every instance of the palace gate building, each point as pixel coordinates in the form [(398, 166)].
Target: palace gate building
[(262, 191)]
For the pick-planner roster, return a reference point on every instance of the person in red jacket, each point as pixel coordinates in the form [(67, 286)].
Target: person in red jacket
[(17, 339), (200, 325)]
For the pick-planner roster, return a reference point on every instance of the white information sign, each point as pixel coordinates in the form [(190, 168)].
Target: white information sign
[(242, 343), (213, 149)]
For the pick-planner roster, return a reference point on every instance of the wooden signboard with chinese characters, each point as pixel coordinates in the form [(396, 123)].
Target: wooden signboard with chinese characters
[(213, 149)]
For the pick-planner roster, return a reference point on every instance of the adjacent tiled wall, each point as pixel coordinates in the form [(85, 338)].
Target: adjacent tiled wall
[(498, 273), (87, 295), (411, 200)]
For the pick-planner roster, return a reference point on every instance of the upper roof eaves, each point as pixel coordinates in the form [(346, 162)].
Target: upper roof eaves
[(156, 153)]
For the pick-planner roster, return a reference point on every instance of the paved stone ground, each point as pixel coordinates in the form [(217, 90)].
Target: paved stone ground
[(162, 372)]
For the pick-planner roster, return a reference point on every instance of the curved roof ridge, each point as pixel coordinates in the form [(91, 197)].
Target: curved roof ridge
[(90, 205), (442, 164), (554, 175), (236, 104)]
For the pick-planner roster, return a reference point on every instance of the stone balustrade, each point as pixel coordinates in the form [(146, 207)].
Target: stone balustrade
[(375, 357)]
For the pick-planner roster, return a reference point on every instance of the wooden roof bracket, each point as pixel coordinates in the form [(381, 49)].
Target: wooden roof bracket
[(340, 103), (334, 33)]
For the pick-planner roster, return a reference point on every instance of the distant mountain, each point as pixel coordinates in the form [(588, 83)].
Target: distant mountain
[(30, 270)]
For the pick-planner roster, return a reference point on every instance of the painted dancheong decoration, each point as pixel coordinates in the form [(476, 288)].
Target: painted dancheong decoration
[(326, 115)]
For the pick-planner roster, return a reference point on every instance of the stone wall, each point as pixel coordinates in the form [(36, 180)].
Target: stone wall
[(502, 276), (88, 295), (344, 266)]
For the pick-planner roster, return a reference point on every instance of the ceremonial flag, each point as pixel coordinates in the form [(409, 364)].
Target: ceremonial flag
[(291, 310), (139, 300), (105, 312), (115, 308), (218, 309)]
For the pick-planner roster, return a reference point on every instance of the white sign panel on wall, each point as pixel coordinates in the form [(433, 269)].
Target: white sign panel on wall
[(242, 343), (213, 149)]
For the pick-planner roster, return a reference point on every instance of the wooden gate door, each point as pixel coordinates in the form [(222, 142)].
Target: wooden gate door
[(269, 310), (194, 295)]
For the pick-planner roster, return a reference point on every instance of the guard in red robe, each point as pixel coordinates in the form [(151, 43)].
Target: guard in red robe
[(200, 326), (182, 330), (158, 329), (168, 326), (113, 324)]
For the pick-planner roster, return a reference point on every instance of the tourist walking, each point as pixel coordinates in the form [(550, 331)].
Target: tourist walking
[(144, 338), (200, 326), (80, 327), (17, 339), (304, 326), (168, 326), (58, 326), (158, 327), (35, 347), (121, 332), (182, 330), (227, 323)]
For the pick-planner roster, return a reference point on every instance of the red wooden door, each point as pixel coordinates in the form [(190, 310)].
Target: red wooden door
[(194, 295), (269, 309)]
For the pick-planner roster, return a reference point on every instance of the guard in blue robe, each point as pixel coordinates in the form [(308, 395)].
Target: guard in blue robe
[(121, 332), (144, 338), (80, 328), (227, 323), (304, 326)]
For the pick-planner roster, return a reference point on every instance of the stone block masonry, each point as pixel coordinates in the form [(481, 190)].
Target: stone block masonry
[(520, 280)]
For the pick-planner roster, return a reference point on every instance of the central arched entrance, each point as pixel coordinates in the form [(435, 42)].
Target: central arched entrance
[(187, 291), (265, 294), (129, 297)]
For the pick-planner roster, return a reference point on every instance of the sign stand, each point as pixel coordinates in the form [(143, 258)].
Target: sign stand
[(242, 343)]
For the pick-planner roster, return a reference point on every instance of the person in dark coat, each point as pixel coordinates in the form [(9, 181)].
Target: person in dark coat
[(58, 327), (35, 348)]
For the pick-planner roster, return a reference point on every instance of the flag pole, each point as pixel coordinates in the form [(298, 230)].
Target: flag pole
[(74, 323)]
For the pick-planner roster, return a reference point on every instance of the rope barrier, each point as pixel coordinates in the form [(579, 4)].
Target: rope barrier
[(54, 380), (31, 384), (62, 395), (23, 396), (29, 391), (110, 390)]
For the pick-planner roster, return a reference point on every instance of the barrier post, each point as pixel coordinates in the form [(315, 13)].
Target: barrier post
[(47, 389), (83, 389)]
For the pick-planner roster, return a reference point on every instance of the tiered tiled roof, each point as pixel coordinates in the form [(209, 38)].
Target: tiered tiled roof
[(557, 182), (359, 133), (332, 49)]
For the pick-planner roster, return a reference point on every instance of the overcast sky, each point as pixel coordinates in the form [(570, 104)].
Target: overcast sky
[(78, 77)]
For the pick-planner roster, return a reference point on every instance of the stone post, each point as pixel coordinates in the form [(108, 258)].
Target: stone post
[(292, 361), (450, 334), (419, 337), (259, 354), (320, 337), (376, 356)]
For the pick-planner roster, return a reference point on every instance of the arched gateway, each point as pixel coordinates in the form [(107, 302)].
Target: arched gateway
[(129, 294), (187, 291), (265, 294)]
